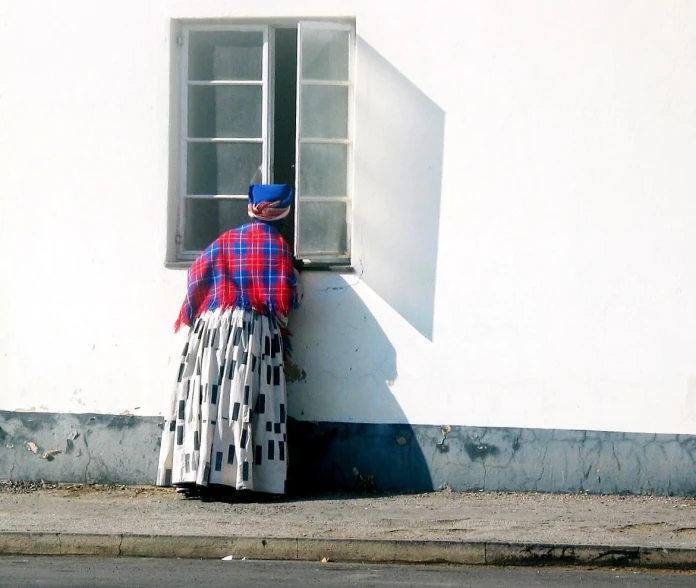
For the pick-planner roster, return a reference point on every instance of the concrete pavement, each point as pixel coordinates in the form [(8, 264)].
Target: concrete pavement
[(441, 527)]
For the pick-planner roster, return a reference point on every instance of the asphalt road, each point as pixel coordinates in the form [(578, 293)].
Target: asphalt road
[(84, 572)]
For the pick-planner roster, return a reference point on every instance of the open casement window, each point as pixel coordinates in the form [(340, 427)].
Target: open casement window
[(267, 104)]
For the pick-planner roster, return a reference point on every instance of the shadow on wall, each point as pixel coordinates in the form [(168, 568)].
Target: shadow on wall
[(399, 146), (338, 405)]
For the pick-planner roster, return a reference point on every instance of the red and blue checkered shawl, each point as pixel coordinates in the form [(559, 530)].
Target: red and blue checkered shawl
[(249, 267)]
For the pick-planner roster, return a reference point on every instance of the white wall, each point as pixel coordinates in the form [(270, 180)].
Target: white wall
[(553, 139)]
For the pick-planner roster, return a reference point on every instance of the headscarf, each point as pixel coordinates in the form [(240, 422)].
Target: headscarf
[(269, 202)]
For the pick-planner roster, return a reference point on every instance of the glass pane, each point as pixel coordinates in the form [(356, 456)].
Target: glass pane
[(323, 228), (325, 54), (222, 168), (323, 170), (207, 219), (225, 55), (324, 112), (225, 111)]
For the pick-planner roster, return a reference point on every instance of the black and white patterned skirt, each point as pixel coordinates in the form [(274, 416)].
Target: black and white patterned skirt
[(226, 422)]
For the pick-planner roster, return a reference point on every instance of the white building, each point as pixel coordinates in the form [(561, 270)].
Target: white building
[(504, 195)]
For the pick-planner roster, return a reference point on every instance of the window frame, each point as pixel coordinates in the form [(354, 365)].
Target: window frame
[(326, 260), (183, 254), (267, 83)]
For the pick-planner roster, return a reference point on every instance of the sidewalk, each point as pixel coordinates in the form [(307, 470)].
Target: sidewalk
[(442, 527)]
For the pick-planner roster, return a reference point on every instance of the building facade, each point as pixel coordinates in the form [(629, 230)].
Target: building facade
[(496, 202)]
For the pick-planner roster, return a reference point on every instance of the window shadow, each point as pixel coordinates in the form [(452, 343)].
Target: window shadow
[(399, 142), (347, 430)]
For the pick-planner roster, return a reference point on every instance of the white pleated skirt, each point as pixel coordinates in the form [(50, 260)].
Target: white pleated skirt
[(226, 420)]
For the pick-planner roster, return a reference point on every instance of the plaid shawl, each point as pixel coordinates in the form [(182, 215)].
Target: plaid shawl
[(250, 267)]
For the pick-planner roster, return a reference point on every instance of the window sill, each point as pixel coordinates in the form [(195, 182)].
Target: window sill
[(328, 267), (309, 267), (178, 265)]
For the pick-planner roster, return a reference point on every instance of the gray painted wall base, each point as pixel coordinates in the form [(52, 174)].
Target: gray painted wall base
[(327, 456), (107, 449)]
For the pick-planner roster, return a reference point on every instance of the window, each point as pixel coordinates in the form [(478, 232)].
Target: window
[(267, 104)]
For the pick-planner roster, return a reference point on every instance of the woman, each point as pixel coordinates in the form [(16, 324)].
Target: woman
[(226, 423)]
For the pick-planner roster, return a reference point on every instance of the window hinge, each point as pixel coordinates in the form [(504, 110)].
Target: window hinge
[(180, 40)]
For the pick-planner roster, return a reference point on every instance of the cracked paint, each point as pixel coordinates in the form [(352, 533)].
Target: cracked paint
[(407, 457), (118, 452)]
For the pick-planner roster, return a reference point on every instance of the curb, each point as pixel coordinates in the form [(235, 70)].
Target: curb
[(346, 550)]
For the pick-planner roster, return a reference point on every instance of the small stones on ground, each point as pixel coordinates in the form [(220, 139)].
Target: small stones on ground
[(16, 487), (31, 446)]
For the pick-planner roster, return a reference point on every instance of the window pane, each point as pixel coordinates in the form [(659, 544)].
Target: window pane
[(324, 112), (222, 168), (207, 219), (325, 54), (323, 228), (225, 55), (323, 170), (225, 111)]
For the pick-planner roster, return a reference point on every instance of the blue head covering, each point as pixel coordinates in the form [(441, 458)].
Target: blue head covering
[(281, 194), (269, 202)]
